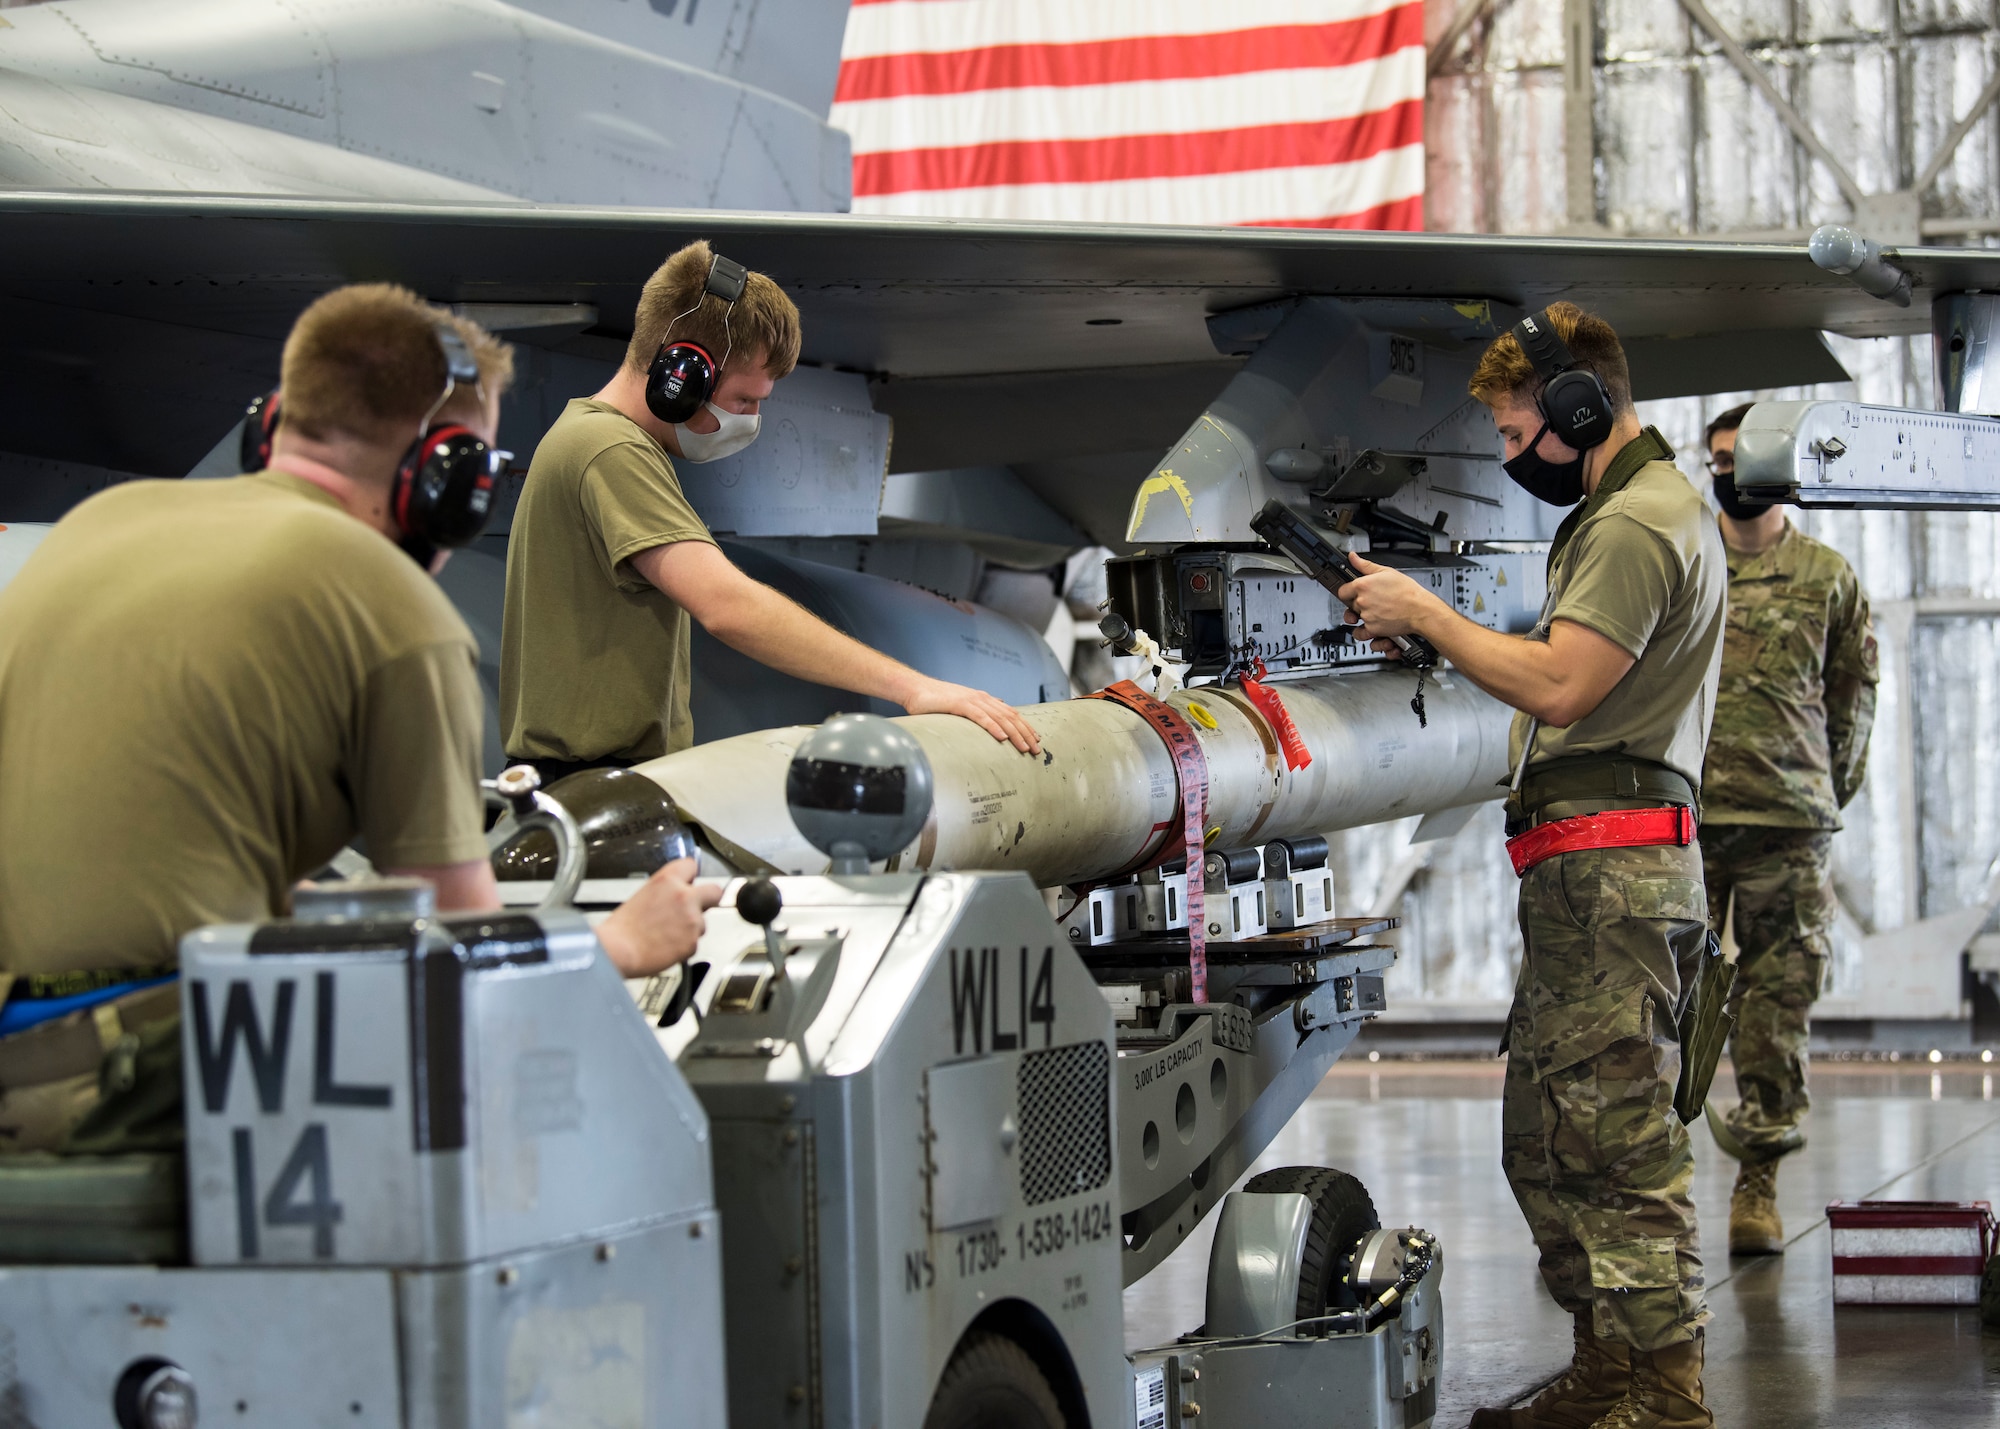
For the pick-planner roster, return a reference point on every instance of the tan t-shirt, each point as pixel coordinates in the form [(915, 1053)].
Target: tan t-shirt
[(1645, 569), (206, 689), (594, 661)]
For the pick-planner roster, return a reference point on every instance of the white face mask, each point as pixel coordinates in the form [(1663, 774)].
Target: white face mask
[(736, 432)]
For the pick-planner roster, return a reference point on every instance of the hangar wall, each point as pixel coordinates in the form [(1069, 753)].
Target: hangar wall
[(1680, 144)]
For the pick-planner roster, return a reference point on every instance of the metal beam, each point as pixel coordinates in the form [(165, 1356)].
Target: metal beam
[(1580, 112), (1957, 135), (1762, 82), (1467, 16)]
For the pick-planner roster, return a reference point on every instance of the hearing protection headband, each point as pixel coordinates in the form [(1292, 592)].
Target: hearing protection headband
[(683, 375), (1572, 401)]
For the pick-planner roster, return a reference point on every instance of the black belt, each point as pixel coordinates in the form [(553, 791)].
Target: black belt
[(1606, 781), (554, 769)]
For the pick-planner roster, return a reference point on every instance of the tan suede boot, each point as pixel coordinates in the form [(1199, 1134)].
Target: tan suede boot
[(1597, 1378), (1754, 1226), (1665, 1393)]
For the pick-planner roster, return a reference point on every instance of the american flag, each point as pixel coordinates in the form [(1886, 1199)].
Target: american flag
[(1293, 113)]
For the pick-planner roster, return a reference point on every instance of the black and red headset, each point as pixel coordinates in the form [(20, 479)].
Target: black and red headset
[(442, 495), (1572, 401), (683, 374)]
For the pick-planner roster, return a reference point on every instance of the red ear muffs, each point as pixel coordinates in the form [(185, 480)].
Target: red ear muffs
[(444, 487), (680, 380)]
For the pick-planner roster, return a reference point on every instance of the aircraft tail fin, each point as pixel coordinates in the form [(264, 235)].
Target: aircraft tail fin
[(790, 48)]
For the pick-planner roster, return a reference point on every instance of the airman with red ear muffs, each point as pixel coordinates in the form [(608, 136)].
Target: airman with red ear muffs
[(208, 688), (442, 492), (1615, 689), (609, 564)]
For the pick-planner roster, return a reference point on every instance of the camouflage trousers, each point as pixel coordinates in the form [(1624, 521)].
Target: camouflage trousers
[(1602, 1168), (1782, 881)]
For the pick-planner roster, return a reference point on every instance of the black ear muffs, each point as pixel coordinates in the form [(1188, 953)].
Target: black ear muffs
[(681, 379), (1572, 400), (260, 425), (443, 493)]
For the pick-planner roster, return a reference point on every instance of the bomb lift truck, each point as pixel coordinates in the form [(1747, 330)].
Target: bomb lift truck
[(885, 1152)]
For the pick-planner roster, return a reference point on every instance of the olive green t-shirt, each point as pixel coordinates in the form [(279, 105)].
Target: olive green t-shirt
[(594, 660), (207, 688), (1643, 566)]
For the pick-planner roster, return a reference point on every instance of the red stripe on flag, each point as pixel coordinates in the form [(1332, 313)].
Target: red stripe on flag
[(1139, 156), (1148, 57), (1404, 215)]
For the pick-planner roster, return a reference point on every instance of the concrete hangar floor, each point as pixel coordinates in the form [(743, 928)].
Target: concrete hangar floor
[(1425, 1138)]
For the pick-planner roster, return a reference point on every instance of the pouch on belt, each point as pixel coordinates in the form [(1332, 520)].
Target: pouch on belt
[(91, 1129)]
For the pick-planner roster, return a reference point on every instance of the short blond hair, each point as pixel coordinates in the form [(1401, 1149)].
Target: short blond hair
[(1505, 372), (763, 321), (365, 361)]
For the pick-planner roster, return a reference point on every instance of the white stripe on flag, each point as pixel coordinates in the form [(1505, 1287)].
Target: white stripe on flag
[(1257, 195), (915, 26), (1237, 101)]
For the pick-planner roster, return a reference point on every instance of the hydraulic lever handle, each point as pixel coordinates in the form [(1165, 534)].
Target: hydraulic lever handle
[(759, 902)]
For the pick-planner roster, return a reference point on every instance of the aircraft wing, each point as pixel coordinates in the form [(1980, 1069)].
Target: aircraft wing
[(136, 325)]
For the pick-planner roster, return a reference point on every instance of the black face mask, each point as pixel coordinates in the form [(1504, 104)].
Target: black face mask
[(1558, 483), (1734, 506)]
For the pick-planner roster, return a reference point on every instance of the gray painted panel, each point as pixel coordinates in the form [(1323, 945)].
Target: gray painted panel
[(816, 468), (267, 1349), (322, 1159), (624, 1331)]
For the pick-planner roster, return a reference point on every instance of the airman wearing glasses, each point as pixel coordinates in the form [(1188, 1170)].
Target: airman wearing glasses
[(1787, 752)]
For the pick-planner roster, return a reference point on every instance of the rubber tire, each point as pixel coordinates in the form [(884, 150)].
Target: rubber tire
[(992, 1383), (1343, 1213)]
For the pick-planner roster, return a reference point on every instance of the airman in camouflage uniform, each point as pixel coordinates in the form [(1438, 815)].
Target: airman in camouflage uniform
[(1615, 688), (1788, 751)]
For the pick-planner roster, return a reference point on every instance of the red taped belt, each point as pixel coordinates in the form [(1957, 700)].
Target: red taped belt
[(1192, 767), (1615, 828)]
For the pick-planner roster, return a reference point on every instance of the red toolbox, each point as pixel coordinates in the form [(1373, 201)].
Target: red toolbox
[(1909, 1252)]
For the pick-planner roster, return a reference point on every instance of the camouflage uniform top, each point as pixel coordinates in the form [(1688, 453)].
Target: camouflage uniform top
[(1790, 741)]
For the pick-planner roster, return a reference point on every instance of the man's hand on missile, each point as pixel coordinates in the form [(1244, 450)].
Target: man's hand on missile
[(1386, 602), (749, 616), (659, 925), (996, 717)]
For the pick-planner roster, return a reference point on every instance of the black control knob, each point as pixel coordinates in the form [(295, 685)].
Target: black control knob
[(759, 902)]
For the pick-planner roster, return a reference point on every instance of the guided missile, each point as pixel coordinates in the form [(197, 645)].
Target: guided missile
[(1102, 796)]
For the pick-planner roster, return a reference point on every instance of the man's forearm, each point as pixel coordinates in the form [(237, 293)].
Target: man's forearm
[(1511, 668), (783, 634)]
